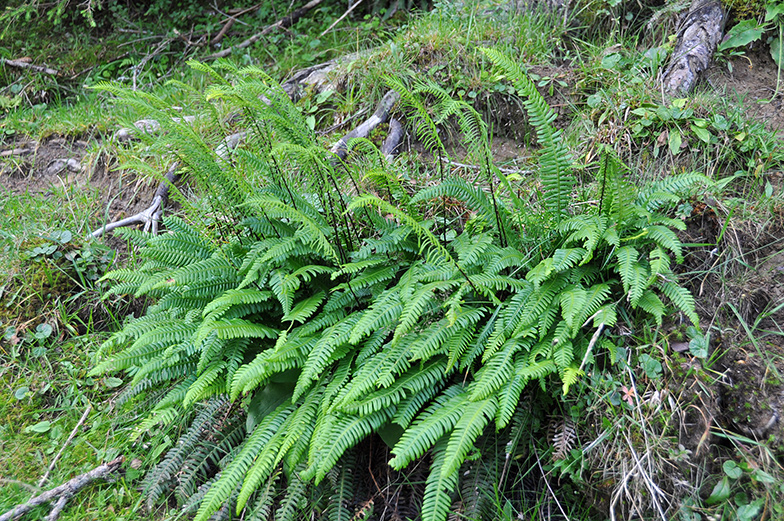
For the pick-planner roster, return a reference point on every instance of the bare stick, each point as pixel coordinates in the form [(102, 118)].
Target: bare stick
[(348, 11), (70, 437), (379, 116), (283, 23), (57, 508), (150, 56), (152, 215), (24, 65), (66, 490)]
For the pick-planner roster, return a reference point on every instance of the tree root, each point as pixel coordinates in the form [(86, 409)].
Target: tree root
[(64, 492), (380, 116), (152, 215), (395, 136)]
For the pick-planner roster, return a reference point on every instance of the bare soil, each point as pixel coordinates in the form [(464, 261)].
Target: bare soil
[(33, 167)]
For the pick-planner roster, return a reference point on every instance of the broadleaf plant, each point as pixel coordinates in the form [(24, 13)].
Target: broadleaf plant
[(321, 313)]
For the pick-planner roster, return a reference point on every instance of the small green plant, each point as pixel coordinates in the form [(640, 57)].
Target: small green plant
[(751, 30), (743, 490)]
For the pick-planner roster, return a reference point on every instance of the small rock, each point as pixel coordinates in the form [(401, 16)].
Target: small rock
[(55, 167), (58, 165)]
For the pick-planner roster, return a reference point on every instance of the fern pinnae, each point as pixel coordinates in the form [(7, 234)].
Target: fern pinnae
[(296, 489), (430, 425), (555, 161), (475, 417), (233, 474), (273, 451), (347, 432), (437, 501)]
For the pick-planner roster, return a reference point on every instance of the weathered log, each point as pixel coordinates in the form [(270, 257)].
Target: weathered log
[(64, 491), (394, 137), (698, 37)]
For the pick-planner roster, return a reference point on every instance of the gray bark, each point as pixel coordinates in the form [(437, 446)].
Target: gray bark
[(698, 36)]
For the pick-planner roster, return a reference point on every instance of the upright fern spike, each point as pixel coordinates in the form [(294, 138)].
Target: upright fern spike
[(554, 161)]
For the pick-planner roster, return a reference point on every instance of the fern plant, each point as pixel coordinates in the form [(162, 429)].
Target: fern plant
[(321, 318)]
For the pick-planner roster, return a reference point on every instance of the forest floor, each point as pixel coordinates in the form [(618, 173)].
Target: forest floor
[(59, 184)]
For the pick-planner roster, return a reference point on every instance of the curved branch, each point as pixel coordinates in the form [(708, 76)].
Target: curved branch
[(381, 115)]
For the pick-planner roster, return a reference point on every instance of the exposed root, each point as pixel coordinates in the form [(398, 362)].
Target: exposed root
[(381, 115), (152, 215), (395, 136)]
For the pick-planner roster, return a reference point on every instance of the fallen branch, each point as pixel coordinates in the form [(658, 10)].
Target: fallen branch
[(152, 215), (283, 23), (232, 15), (25, 65), (348, 11), (64, 492), (379, 116)]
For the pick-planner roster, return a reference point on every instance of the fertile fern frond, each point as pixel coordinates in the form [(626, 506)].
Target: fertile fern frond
[(231, 477), (555, 161), (425, 128), (563, 436)]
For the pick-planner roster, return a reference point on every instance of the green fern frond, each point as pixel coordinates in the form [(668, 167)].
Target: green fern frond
[(555, 160), (430, 426), (682, 299), (437, 501), (496, 370), (473, 420), (671, 189)]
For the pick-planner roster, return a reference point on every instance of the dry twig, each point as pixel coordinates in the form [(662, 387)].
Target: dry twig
[(70, 437), (25, 65), (283, 23), (64, 492)]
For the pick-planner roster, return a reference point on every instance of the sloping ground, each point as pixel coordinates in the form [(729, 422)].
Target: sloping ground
[(736, 280)]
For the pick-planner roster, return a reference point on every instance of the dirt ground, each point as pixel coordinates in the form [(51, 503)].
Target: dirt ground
[(35, 167)]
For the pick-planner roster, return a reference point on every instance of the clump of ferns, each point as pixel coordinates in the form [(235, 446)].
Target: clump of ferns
[(329, 318)]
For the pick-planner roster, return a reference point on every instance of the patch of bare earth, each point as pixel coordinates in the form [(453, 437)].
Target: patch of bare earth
[(751, 81), (39, 167)]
